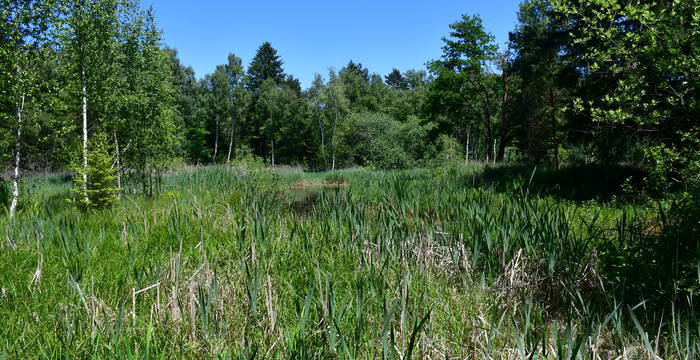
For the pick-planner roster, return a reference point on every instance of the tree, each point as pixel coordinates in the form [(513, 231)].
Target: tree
[(464, 90), (642, 58), (155, 138), (402, 103), (188, 104), (265, 65), (101, 175), (356, 87), (395, 80), (24, 30), (221, 101), (240, 98), (336, 106), (316, 96), (545, 79), (386, 143), (284, 125), (89, 31)]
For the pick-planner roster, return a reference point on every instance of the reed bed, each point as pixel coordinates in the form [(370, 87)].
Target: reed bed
[(426, 264)]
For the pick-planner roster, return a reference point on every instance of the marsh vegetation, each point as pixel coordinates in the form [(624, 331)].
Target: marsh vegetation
[(440, 263)]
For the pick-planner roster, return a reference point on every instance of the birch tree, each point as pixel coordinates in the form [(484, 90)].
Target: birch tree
[(314, 93), (336, 109), (240, 99), (153, 135), (88, 34), (24, 30), (222, 101)]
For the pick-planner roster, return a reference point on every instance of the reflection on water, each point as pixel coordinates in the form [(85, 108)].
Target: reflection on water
[(305, 195)]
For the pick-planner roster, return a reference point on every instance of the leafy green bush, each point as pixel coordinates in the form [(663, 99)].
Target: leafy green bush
[(247, 162), (382, 142), (449, 151)]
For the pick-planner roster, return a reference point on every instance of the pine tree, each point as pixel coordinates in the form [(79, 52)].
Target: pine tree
[(265, 65), (395, 80)]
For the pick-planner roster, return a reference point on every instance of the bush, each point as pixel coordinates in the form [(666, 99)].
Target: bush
[(246, 162), (449, 151), (382, 142)]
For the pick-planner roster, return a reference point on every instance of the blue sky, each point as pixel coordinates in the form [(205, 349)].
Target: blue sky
[(312, 36)]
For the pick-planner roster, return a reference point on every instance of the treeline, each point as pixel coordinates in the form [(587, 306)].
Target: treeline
[(578, 81), (348, 118)]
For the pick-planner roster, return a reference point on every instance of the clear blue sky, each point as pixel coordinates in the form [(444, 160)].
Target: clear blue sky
[(312, 36)]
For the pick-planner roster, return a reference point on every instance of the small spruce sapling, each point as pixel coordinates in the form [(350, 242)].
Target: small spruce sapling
[(101, 179)]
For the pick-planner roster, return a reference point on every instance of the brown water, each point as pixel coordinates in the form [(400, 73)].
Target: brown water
[(305, 195)]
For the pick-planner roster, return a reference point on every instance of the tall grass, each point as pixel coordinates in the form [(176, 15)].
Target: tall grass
[(415, 264)]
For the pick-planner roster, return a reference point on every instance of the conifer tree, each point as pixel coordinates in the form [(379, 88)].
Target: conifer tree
[(265, 65)]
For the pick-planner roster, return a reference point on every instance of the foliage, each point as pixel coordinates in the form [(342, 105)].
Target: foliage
[(398, 262), (265, 65), (449, 151), (546, 79), (465, 94), (644, 58), (4, 195), (379, 143), (101, 179)]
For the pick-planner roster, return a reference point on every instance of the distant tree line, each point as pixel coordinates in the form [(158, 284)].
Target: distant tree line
[(577, 82)]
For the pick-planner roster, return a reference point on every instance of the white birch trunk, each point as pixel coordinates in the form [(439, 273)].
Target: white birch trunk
[(118, 164), (323, 138), (494, 151), (466, 149), (335, 124), (15, 172), (85, 138), (230, 142), (216, 139)]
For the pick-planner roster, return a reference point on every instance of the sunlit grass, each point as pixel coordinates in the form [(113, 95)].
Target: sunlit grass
[(422, 264)]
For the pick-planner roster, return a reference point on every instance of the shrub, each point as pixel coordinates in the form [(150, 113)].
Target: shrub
[(449, 151), (382, 142)]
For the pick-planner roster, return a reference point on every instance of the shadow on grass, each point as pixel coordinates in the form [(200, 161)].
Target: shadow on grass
[(577, 183)]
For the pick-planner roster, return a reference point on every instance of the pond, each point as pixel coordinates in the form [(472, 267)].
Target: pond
[(305, 195)]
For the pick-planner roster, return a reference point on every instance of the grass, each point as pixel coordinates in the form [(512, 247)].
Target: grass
[(391, 265)]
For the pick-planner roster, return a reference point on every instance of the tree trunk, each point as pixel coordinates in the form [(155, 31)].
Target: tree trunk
[(15, 173), (335, 122), (466, 148), (494, 151), (502, 149), (86, 198), (323, 139), (118, 164), (555, 138), (230, 142), (504, 136), (216, 139), (272, 143), (488, 158)]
